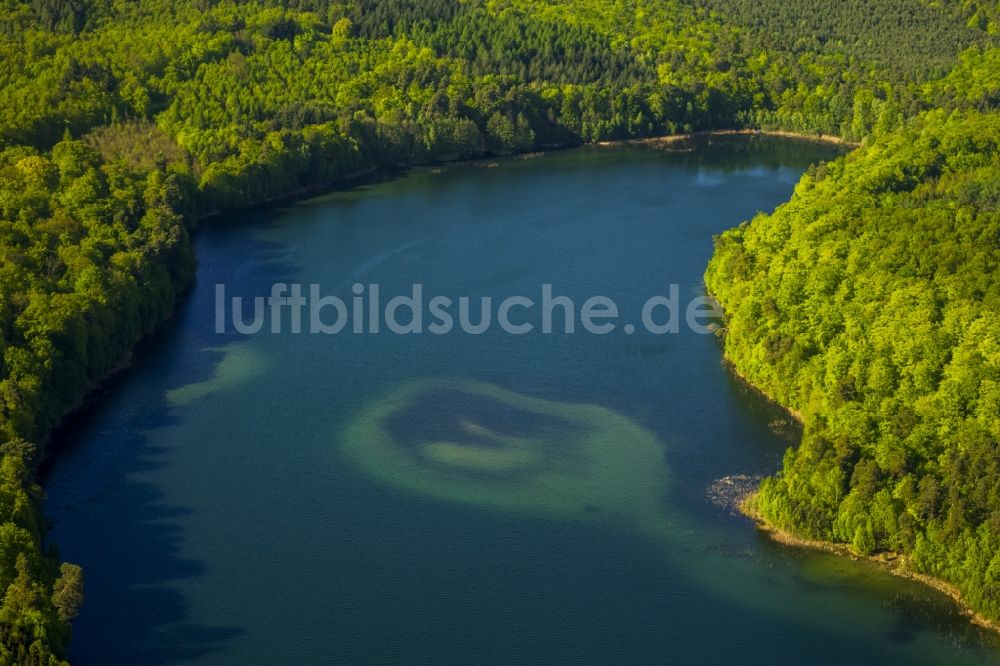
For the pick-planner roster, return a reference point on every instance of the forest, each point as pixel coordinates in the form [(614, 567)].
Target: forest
[(125, 122), (869, 304)]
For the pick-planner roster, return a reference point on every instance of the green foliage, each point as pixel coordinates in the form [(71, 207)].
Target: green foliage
[(869, 303), (121, 120), (901, 35), (67, 592), (93, 255)]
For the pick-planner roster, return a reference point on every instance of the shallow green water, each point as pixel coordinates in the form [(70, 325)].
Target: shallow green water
[(458, 499)]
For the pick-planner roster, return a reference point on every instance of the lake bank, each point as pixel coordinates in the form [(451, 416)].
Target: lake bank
[(175, 491), (894, 563), (785, 134)]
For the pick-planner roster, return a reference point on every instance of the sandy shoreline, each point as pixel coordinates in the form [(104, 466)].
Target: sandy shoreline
[(896, 564), (676, 138)]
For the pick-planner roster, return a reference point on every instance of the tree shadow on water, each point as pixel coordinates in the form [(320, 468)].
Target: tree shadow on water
[(105, 508), (129, 540)]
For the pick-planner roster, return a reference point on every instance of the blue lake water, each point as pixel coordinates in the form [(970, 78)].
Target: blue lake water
[(458, 499)]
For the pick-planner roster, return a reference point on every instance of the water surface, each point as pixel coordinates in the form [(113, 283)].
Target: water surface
[(314, 499)]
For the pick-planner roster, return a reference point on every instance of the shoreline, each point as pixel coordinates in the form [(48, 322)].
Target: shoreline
[(294, 195), (676, 138), (794, 413), (894, 563), (729, 365), (487, 160), (124, 363)]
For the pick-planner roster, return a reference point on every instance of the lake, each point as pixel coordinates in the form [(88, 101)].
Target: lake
[(464, 498)]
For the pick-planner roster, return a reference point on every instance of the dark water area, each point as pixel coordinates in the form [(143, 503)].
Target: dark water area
[(452, 499)]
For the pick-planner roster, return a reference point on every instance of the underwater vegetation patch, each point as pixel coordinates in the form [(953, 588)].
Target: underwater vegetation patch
[(480, 444)]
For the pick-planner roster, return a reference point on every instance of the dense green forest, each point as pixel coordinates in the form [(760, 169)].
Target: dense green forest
[(870, 304), (850, 26), (124, 122)]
